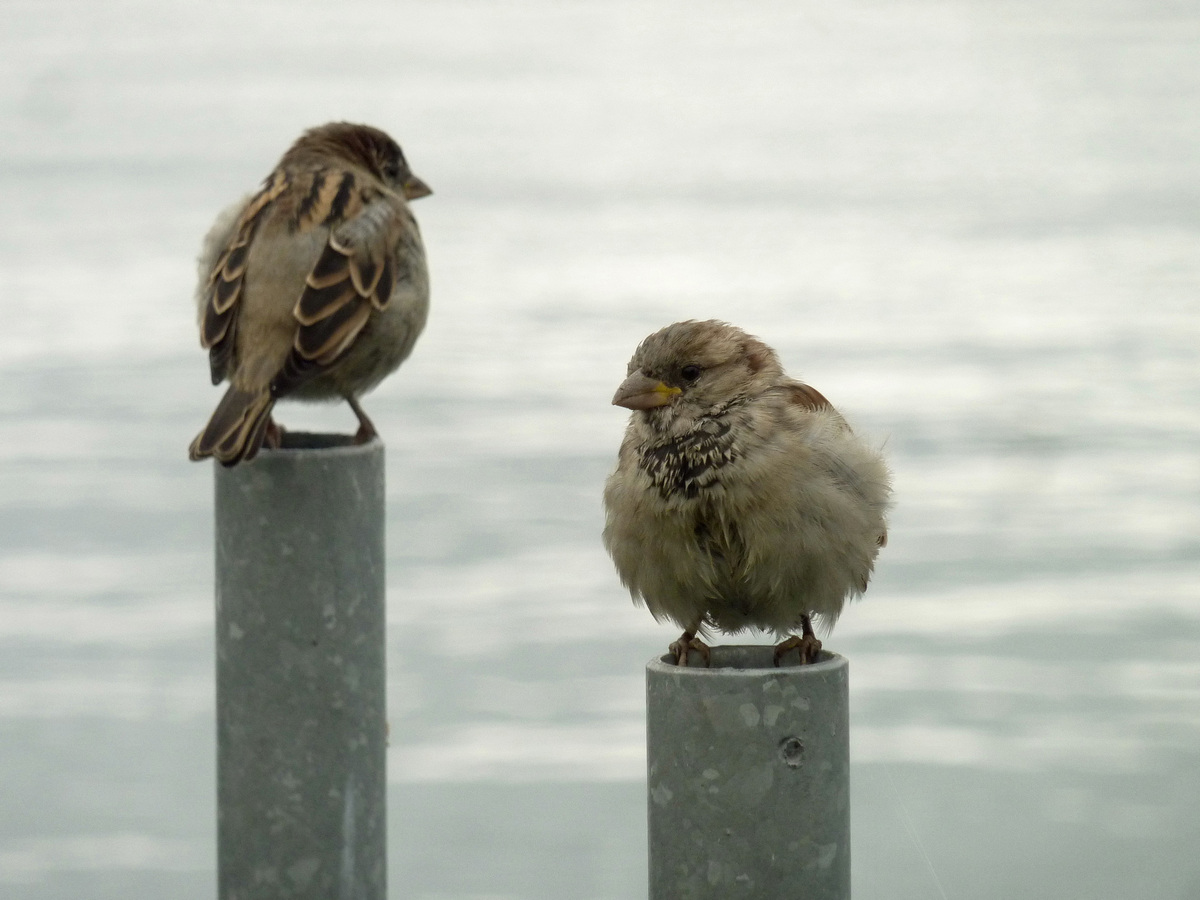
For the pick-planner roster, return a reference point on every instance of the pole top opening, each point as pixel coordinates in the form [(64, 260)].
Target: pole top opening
[(729, 659), (314, 440)]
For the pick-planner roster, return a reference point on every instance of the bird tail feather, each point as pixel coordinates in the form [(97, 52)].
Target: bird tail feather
[(235, 432)]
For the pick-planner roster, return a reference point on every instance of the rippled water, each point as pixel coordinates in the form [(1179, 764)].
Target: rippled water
[(972, 225)]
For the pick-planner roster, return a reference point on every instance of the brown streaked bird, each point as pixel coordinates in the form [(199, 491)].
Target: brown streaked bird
[(315, 287), (741, 498)]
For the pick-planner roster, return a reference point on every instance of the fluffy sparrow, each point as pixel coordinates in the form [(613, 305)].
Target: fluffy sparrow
[(314, 288), (741, 498)]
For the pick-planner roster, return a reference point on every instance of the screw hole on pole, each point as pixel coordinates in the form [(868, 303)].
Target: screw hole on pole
[(791, 751)]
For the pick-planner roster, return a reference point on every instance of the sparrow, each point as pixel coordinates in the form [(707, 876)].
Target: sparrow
[(315, 287), (741, 498)]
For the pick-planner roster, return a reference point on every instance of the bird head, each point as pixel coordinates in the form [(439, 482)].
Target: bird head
[(365, 146), (692, 369)]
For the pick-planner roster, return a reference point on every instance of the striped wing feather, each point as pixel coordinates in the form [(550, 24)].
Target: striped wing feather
[(808, 396), (353, 277), (218, 327)]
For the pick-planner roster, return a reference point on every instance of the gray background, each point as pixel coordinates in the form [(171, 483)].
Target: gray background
[(972, 225)]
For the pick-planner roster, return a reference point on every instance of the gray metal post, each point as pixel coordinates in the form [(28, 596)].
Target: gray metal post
[(301, 721), (749, 778)]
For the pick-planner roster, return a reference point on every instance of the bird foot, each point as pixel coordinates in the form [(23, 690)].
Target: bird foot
[(688, 643), (807, 644)]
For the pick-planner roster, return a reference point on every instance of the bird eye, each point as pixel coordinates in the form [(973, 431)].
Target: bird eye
[(690, 373)]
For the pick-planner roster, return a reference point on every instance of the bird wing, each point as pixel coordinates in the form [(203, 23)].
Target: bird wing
[(807, 396), (353, 277), (810, 398), (218, 323)]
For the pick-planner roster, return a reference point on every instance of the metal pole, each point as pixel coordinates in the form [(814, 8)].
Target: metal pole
[(749, 778), (301, 727)]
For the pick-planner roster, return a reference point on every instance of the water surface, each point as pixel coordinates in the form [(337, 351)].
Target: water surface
[(972, 225)]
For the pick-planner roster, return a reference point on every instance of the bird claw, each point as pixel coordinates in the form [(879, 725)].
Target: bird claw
[(808, 645), (689, 643)]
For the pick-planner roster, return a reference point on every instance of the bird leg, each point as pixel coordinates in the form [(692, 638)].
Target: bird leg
[(273, 435), (807, 643), (688, 643), (366, 428)]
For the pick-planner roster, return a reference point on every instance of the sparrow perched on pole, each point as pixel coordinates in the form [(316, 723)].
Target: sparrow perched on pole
[(741, 497), (315, 287)]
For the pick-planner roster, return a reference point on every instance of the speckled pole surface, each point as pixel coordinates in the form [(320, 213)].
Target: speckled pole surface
[(749, 778), (301, 727)]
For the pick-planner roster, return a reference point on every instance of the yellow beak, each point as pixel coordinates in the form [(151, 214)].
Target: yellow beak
[(639, 391)]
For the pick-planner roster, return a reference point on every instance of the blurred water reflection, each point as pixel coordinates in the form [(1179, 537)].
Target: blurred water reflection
[(972, 225)]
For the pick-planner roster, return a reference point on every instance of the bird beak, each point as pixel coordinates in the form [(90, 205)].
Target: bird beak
[(639, 391), (415, 188)]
